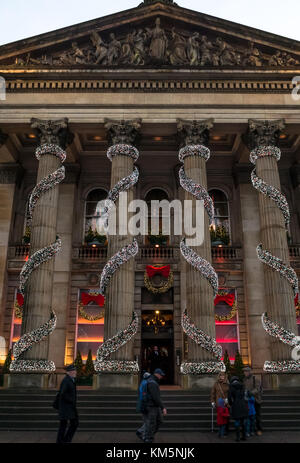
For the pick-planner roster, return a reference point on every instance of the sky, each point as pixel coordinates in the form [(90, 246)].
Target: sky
[(20, 19)]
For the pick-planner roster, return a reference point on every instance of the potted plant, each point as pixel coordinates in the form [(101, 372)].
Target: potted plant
[(89, 237), (219, 235)]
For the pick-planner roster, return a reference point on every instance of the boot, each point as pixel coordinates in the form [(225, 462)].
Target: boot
[(237, 431)]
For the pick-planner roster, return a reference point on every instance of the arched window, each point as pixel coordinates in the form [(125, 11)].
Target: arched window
[(220, 226), (159, 195), (93, 211)]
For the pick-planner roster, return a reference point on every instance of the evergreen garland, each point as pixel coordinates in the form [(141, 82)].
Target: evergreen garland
[(79, 365), (89, 366), (238, 366)]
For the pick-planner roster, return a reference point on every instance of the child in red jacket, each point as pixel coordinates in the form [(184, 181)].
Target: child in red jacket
[(222, 417)]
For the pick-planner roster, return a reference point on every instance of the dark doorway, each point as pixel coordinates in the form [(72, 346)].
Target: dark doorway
[(157, 343)]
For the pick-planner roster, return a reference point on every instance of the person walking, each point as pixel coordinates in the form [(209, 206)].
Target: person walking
[(220, 391), (142, 404), (154, 408), (239, 406), (253, 385), (222, 417), (66, 406)]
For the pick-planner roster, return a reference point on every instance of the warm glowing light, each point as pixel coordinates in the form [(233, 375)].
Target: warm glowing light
[(227, 340), (83, 321), (26, 258), (18, 321), (157, 245), (84, 357), (220, 246), (157, 138), (97, 138), (89, 339), (16, 339), (157, 311), (31, 135), (94, 246), (283, 136), (217, 138)]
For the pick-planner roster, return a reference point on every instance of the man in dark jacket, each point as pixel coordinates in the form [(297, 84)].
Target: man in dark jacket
[(155, 407), (67, 407), (253, 385), (239, 406)]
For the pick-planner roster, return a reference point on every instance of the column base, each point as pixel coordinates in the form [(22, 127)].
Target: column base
[(281, 381), (27, 380), (115, 381), (198, 382)]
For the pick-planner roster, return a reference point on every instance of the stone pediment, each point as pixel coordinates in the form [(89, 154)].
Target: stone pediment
[(155, 34)]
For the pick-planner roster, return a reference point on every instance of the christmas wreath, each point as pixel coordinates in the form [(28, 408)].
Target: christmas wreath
[(224, 296), (91, 296), (164, 271)]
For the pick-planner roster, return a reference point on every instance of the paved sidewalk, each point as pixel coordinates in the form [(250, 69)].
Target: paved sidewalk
[(130, 438)]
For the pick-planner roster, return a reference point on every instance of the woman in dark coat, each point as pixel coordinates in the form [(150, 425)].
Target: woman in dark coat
[(67, 407), (239, 406)]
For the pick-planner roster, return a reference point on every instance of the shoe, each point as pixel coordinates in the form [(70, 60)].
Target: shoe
[(139, 435)]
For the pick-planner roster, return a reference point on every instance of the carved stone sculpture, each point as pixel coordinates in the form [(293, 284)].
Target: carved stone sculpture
[(101, 48), (159, 42), (122, 131), (178, 53), (193, 49), (52, 132), (194, 132), (264, 133), (114, 49)]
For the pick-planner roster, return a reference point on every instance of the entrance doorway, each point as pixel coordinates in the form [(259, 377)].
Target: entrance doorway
[(158, 343)]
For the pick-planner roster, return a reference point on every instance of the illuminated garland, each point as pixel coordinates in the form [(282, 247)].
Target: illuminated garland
[(272, 328), (39, 257), (162, 289), (203, 266), (206, 342), (86, 316), (26, 342), (121, 257), (18, 310), (112, 345)]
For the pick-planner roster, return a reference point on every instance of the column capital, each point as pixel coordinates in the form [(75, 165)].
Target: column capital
[(122, 132), (3, 137), (194, 132), (263, 133), (52, 131)]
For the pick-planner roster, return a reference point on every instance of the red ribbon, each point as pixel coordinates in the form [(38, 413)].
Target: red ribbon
[(86, 298), (228, 298), (20, 299), (164, 271)]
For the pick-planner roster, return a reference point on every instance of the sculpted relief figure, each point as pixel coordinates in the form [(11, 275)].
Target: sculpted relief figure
[(159, 42), (177, 54), (193, 49), (114, 49), (101, 48), (206, 51), (253, 57), (139, 40)]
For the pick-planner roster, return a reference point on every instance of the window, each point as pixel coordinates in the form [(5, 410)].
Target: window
[(90, 323), (227, 329), (158, 195), (93, 211), (220, 226)]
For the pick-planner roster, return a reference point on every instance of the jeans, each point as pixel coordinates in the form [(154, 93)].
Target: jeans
[(142, 429), (222, 429), (250, 424), (64, 435), (153, 420)]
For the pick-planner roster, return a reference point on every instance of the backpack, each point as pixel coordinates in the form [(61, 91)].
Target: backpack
[(143, 397)]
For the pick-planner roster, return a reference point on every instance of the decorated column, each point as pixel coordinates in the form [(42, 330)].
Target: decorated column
[(281, 284), (198, 321), (36, 278), (115, 359)]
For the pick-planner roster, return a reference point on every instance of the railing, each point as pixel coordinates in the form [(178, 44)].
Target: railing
[(226, 253), (295, 252)]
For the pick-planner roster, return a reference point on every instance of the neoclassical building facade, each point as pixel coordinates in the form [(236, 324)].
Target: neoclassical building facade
[(89, 105)]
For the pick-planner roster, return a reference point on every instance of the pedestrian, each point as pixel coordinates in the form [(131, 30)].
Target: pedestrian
[(66, 405), (220, 391), (222, 417), (142, 404), (239, 406), (154, 408), (251, 415), (253, 385)]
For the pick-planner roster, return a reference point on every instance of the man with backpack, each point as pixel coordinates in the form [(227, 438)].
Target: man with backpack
[(152, 406), (142, 404)]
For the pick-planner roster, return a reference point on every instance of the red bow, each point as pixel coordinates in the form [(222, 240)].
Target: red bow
[(20, 299), (228, 298), (164, 271), (86, 298)]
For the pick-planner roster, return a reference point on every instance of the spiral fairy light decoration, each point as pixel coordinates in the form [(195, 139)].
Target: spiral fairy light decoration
[(102, 363), (204, 267), (42, 255), (287, 272)]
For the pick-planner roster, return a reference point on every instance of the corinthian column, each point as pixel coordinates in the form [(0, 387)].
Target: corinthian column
[(273, 251), (119, 302), (202, 281), (36, 279)]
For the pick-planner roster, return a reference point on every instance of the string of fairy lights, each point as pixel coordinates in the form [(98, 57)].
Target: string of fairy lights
[(265, 256), (103, 364), (26, 341), (205, 269)]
